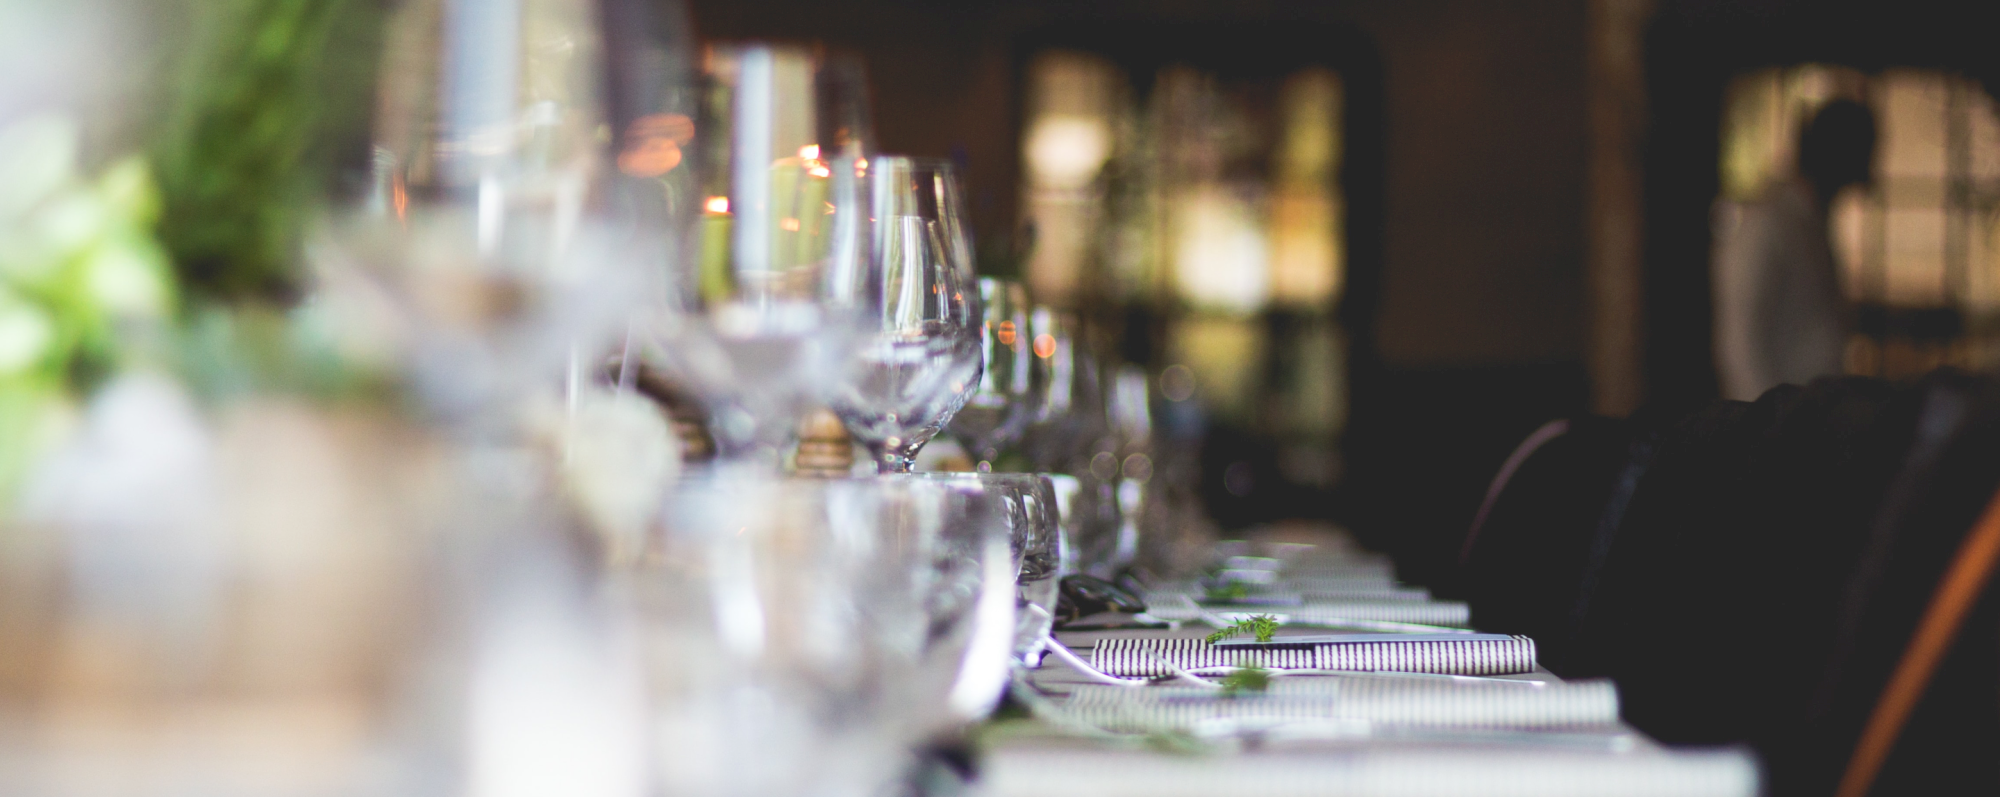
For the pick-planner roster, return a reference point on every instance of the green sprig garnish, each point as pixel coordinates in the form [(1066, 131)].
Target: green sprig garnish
[(1248, 678), (1261, 626)]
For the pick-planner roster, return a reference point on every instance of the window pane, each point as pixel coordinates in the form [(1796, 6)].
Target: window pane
[(1912, 108), (1915, 252)]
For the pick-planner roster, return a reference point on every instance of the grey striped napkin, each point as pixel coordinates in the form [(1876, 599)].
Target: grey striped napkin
[(1476, 654), (1383, 700)]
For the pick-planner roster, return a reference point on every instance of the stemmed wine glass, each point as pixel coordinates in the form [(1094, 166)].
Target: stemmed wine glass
[(1053, 375), (1070, 416), (1064, 428), (922, 358), (767, 299), (995, 415), (481, 219)]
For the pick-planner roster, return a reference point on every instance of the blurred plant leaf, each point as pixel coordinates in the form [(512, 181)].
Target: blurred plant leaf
[(1246, 678), (272, 96)]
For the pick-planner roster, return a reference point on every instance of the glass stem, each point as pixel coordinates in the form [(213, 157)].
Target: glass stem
[(893, 460)]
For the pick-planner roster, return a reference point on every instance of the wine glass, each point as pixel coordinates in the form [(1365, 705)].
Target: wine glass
[(767, 296), (802, 635), (995, 415), (1066, 426), (478, 244), (1129, 422), (1067, 418), (922, 358)]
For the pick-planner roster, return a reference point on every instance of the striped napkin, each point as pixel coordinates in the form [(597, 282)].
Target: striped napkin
[(1447, 654), (1386, 700)]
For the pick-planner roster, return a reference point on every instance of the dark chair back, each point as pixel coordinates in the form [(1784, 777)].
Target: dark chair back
[(1523, 555)]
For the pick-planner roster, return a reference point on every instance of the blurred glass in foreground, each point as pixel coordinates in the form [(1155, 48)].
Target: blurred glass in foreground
[(771, 287), (801, 636)]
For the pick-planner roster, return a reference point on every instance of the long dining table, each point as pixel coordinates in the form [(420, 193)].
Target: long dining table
[(1355, 733)]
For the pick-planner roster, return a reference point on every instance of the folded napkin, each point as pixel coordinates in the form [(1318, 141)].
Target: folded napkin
[(1351, 591), (1317, 580), (1448, 613), (1433, 771), (1447, 654), (1287, 591), (1375, 699)]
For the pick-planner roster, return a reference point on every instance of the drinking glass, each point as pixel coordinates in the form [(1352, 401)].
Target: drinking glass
[(783, 625), (997, 412), (970, 600), (1065, 435), (1068, 420), (1129, 423), (479, 221), (1040, 550), (922, 357), (770, 287), (1045, 558), (803, 636)]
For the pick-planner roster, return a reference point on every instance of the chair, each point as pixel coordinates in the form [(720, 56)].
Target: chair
[(1525, 550)]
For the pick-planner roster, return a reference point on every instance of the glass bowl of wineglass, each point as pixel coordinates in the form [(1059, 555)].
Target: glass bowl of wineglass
[(766, 296), (921, 356), (996, 414)]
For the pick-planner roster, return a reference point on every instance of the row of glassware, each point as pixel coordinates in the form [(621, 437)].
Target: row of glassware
[(749, 242), (543, 196), (287, 598)]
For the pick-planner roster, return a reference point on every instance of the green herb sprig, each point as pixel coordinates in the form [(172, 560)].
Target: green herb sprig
[(1262, 626), (1247, 678)]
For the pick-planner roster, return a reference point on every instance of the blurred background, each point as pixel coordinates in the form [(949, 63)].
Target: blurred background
[(1360, 248), (1378, 242)]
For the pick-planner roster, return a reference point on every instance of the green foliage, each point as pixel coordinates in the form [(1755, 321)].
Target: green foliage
[(81, 279), (224, 353), (1247, 678), (273, 92), (1228, 593), (1262, 626)]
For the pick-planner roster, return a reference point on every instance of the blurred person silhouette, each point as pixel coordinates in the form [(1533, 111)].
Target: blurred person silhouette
[(1780, 316)]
